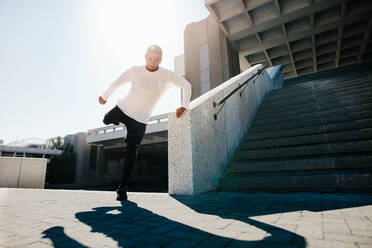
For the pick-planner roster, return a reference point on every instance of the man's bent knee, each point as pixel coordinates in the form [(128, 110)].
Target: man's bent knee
[(107, 120)]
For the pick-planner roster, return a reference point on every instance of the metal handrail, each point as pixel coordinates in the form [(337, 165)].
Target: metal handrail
[(222, 101)]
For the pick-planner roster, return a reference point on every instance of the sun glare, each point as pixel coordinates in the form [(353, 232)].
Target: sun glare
[(120, 31)]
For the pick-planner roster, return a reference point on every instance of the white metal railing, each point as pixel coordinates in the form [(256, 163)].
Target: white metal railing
[(14, 150)]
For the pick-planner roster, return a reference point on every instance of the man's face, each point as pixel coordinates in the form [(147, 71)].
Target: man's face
[(152, 60)]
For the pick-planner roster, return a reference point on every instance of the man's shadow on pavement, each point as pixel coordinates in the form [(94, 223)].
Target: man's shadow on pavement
[(122, 227), (133, 226)]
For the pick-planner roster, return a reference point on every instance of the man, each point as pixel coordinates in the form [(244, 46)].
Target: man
[(149, 82)]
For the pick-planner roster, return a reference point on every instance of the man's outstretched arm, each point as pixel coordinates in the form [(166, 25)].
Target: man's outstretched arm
[(124, 78), (186, 93)]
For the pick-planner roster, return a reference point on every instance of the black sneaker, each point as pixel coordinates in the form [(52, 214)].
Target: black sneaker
[(121, 193)]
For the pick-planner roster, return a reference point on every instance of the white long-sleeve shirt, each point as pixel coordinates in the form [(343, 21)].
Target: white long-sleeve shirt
[(146, 90)]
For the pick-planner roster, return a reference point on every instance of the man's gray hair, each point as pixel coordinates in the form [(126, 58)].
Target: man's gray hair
[(155, 49)]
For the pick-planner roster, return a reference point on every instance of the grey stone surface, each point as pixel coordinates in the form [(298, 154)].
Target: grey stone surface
[(199, 146), (68, 218), (180, 170)]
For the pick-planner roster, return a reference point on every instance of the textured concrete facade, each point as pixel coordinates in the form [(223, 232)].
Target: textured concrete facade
[(301, 35), (223, 60), (20, 172)]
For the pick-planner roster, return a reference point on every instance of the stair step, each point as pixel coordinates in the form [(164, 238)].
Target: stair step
[(326, 81), (320, 114), (311, 122), (326, 85), (339, 77), (306, 108), (318, 97), (342, 76), (367, 85), (326, 162), (349, 125), (334, 80), (306, 150), (340, 182), (318, 138), (311, 100)]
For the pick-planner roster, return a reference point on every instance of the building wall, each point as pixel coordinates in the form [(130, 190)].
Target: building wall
[(209, 58), (179, 65), (22, 172), (82, 150)]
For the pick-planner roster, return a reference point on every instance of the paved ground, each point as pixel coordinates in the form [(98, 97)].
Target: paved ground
[(68, 218)]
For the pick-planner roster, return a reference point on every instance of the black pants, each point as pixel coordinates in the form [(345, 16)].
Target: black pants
[(135, 132)]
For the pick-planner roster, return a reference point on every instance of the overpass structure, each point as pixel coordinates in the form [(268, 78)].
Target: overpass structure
[(18, 151), (112, 136)]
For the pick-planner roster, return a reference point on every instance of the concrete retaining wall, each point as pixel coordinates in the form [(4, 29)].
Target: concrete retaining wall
[(21, 172), (199, 147)]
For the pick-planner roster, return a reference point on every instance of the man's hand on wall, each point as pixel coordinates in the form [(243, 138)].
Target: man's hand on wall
[(180, 111), (101, 100)]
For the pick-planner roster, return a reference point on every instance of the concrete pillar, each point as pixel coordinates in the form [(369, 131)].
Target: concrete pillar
[(82, 150), (100, 167)]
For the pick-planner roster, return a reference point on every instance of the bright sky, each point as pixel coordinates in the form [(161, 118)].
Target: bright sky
[(57, 57)]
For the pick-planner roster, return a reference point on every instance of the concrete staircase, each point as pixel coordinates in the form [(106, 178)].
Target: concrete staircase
[(314, 134)]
